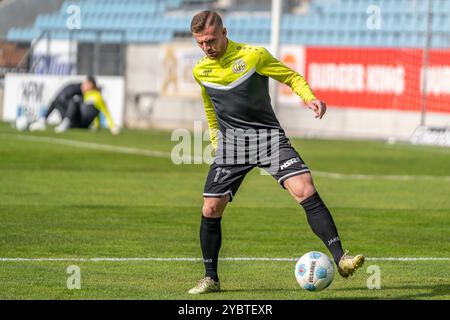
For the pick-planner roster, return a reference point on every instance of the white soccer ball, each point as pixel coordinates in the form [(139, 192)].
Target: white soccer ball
[(22, 123), (314, 271)]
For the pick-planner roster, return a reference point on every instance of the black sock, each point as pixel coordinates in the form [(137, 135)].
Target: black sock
[(322, 224), (210, 240)]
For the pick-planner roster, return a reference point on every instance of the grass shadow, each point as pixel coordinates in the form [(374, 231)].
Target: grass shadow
[(436, 291), (258, 290)]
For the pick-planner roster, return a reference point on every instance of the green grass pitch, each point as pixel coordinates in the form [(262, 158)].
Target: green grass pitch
[(60, 199)]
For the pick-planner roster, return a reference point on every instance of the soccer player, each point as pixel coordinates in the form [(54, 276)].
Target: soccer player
[(67, 97), (82, 115), (234, 81)]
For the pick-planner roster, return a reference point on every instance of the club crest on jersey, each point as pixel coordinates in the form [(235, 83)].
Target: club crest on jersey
[(239, 66)]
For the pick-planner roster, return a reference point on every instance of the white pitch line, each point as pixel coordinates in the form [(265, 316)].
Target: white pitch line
[(408, 259), (96, 146), (196, 159), (342, 176), (199, 259), (106, 147)]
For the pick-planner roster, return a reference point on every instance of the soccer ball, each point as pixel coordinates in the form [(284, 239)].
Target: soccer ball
[(22, 123), (314, 271)]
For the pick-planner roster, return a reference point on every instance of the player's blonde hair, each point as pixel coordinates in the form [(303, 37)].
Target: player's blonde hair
[(205, 19)]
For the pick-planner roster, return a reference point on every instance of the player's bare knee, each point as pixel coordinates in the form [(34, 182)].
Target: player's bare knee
[(300, 188), (213, 207), (210, 211), (301, 193), (308, 191)]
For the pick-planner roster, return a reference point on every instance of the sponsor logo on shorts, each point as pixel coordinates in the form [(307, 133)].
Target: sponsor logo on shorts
[(289, 163)]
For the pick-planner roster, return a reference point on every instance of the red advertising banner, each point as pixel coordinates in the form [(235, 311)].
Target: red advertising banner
[(379, 78)]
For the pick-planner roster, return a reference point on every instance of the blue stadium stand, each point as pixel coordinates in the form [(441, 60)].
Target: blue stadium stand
[(327, 22)]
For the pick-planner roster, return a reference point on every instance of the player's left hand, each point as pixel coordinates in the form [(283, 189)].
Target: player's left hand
[(318, 106)]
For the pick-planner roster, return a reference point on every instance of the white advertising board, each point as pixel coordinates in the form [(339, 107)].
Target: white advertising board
[(32, 94)]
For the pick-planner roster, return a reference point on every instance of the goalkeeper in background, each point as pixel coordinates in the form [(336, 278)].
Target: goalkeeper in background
[(234, 81), (87, 113)]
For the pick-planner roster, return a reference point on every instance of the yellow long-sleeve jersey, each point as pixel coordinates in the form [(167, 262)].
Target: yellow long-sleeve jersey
[(235, 88), (95, 98)]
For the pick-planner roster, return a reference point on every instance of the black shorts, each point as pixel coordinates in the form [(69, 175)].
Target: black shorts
[(225, 179)]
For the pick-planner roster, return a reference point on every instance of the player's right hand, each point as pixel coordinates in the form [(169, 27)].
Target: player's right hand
[(318, 106)]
